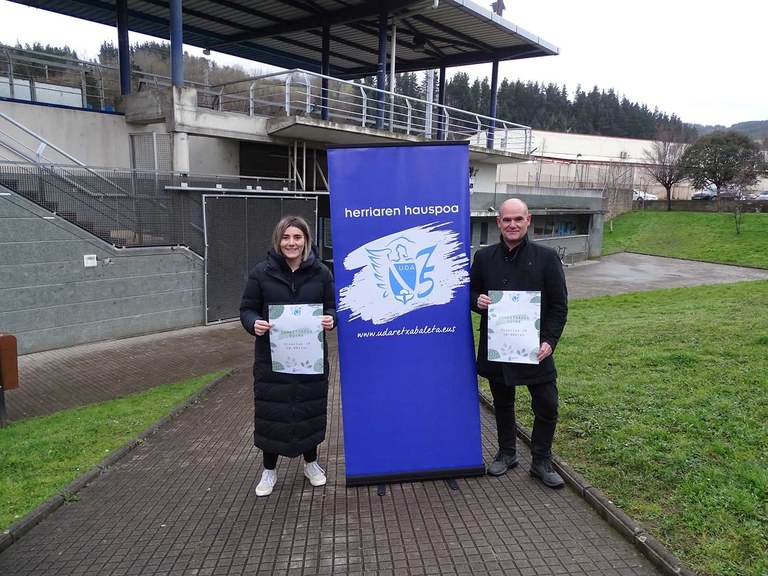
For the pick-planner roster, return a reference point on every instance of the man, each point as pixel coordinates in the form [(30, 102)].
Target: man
[(516, 263)]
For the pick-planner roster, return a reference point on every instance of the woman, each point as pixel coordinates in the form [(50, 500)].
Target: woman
[(289, 409)]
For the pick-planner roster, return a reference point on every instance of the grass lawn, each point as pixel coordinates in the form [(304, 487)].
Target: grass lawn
[(707, 236), (664, 408), (664, 394), (42, 455)]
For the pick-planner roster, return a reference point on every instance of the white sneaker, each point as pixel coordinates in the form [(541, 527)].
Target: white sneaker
[(315, 474), (268, 481)]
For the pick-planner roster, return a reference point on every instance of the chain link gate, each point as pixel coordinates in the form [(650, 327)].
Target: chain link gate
[(238, 233)]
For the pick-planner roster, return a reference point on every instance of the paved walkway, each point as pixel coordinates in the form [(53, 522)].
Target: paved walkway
[(182, 501)]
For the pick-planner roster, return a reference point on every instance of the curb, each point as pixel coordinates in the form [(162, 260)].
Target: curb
[(66, 494), (631, 530)]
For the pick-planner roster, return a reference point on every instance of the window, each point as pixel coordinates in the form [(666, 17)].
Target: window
[(483, 233), (561, 225)]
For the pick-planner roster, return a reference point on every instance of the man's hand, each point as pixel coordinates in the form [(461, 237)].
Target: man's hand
[(544, 350), (483, 301), (327, 322)]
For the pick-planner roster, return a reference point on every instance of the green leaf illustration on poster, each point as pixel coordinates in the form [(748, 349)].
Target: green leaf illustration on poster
[(276, 310)]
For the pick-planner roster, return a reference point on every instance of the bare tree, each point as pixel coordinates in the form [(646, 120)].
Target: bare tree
[(663, 160)]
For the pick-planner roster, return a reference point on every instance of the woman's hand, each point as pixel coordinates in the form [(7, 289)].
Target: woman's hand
[(260, 327), (327, 323)]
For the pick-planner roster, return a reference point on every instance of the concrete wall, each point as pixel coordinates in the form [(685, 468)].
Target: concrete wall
[(588, 148), (178, 108), (49, 299), (581, 160), (560, 198), (214, 156), (94, 138), (586, 207), (103, 140), (485, 177), (575, 248)]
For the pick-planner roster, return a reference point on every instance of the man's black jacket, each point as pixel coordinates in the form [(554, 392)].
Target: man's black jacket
[(529, 266)]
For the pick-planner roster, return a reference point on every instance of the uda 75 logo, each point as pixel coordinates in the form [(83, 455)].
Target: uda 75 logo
[(406, 267), (402, 272)]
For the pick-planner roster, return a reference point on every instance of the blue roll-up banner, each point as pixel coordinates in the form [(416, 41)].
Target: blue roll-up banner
[(400, 222)]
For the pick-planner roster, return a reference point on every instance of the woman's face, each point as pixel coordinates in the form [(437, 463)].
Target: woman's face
[(292, 244)]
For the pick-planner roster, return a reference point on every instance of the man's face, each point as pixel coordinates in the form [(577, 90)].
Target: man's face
[(513, 223)]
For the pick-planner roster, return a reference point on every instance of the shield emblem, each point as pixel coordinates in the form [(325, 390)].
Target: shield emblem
[(402, 280)]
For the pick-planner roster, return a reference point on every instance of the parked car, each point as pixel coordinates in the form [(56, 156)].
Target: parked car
[(639, 195), (762, 197), (732, 194), (705, 194)]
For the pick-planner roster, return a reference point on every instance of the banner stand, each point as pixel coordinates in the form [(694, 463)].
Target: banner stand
[(401, 218), (448, 474)]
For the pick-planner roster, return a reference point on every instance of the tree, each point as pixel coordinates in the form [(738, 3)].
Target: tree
[(458, 93), (408, 85), (481, 97), (723, 159), (663, 160)]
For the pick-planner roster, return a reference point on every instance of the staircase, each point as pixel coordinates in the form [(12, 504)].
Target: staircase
[(104, 203)]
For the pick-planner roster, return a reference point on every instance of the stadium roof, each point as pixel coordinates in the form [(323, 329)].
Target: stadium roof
[(288, 33)]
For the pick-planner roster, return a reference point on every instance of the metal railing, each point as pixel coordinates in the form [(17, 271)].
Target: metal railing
[(38, 155), (301, 93), (46, 78), (153, 208), (50, 79)]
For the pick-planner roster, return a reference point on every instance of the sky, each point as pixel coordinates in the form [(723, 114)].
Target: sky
[(703, 62)]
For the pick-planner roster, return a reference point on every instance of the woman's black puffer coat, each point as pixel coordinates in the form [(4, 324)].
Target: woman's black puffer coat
[(289, 409)]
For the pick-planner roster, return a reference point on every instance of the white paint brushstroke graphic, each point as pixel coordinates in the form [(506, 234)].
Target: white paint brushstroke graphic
[(369, 296)]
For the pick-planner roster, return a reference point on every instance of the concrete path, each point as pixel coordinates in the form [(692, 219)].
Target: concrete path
[(627, 272)]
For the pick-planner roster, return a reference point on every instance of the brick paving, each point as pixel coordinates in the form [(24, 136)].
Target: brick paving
[(182, 502), (66, 378)]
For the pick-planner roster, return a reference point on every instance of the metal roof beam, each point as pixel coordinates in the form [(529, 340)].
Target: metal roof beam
[(342, 16)]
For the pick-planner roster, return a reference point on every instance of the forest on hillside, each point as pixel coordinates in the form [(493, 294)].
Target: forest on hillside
[(550, 107), (542, 107)]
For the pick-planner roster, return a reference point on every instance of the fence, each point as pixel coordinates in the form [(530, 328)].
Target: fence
[(27, 75), (51, 79), (128, 207), (306, 94)]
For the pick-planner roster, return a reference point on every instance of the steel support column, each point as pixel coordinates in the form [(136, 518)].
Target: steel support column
[(492, 107), (123, 47), (177, 44), (441, 101), (381, 76), (325, 70)]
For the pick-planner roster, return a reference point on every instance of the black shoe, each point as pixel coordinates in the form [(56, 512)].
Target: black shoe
[(502, 463), (543, 470)]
